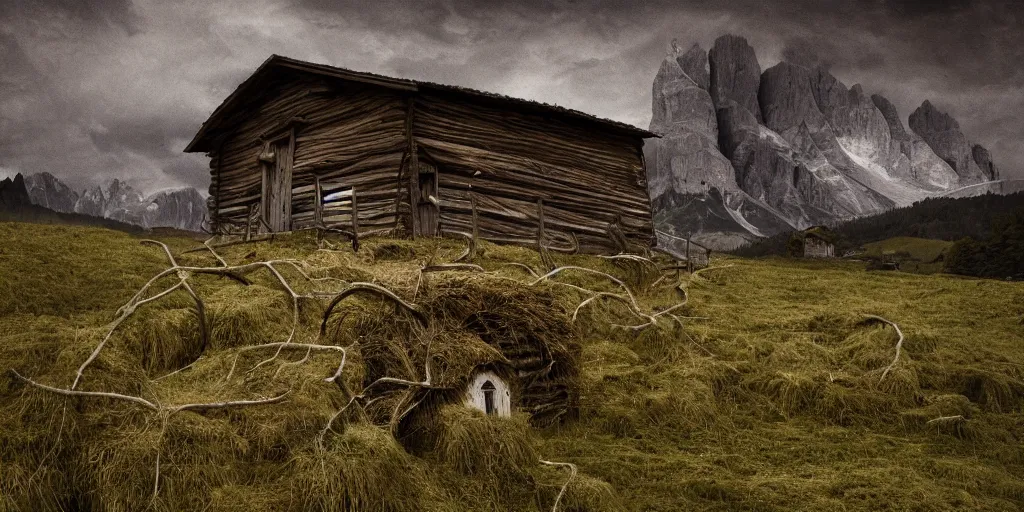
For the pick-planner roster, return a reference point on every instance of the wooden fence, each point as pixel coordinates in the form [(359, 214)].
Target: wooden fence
[(332, 204)]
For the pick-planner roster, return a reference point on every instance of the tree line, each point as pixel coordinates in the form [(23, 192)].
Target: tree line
[(988, 231)]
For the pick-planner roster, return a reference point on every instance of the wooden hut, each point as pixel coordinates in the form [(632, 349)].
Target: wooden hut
[(819, 242), (299, 145)]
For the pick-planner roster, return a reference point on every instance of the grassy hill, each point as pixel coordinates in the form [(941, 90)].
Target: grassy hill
[(920, 249), (919, 255), (769, 390)]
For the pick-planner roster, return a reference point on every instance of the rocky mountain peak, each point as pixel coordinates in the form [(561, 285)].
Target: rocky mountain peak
[(678, 99), (857, 95), (892, 117), (897, 133), (799, 146), (735, 74), (182, 208), (791, 94), (13, 193), (48, 191), (686, 159), (984, 160), (943, 134), (929, 118), (694, 62)]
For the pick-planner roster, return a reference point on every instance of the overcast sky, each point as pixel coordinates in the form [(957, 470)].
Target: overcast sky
[(96, 89)]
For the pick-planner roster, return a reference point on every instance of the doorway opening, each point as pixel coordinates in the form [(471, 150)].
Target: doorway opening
[(488, 389), (276, 195), (429, 207)]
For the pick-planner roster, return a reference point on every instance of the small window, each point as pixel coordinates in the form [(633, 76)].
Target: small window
[(488, 389), (337, 196)]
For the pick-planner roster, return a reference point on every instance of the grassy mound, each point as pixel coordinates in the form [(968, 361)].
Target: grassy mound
[(308, 448), (920, 255), (920, 249), (768, 390)]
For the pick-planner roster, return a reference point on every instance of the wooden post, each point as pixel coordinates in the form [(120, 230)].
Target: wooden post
[(248, 222), (355, 221), (286, 182), (476, 227), (318, 202), (355, 213), (414, 169), (265, 163), (615, 234), (540, 225), (399, 186), (215, 189), (545, 256)]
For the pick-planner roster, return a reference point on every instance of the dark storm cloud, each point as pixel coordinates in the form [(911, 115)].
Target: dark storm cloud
[(92, 90), (112, 13)]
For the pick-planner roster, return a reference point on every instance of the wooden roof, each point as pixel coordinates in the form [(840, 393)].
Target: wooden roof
[(820, 232), (202, 142)]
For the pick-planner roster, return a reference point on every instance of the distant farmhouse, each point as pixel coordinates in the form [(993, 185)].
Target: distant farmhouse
[(818, 242), (300, 145)]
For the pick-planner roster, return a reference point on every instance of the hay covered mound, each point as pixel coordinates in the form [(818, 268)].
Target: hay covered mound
[(768, 389)]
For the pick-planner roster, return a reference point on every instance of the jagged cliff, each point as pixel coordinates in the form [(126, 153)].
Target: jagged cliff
[(181, 208), (788, 147), (13, 195)]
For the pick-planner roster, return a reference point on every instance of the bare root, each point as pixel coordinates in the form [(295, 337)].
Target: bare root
[(146, 403), (524, 267), (445, 267), (92, 394), (696, 276), (374, 289), (572, 474), (899, 344), (668, 311)]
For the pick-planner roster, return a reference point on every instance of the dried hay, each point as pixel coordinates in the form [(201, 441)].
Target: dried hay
[(768, 392), (473, 443), (362, 469)]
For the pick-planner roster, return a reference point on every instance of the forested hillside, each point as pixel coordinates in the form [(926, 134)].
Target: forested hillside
[(937, 218), (999, 255)]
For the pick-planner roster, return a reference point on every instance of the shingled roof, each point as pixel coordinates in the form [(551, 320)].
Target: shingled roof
[(202, 139)]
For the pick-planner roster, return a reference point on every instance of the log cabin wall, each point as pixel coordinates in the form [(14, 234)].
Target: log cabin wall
[(509, 160), (348, 133), (522, 166)]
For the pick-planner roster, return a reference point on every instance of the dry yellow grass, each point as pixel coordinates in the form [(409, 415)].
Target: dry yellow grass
[(764, 393)]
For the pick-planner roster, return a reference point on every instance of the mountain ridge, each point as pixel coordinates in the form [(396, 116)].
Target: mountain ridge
[(791, 146), (16, 205), (181, 208)]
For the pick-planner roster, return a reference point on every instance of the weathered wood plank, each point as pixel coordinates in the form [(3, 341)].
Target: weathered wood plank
[(512, 171)]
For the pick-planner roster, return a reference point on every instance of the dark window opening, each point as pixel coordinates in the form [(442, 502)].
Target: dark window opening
[(488, 389)]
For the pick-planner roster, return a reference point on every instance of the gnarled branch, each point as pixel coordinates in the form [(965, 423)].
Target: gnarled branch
[(93, 394), (374, 289), (444, 267), (899, 344), (224, 405), (572, 474)]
